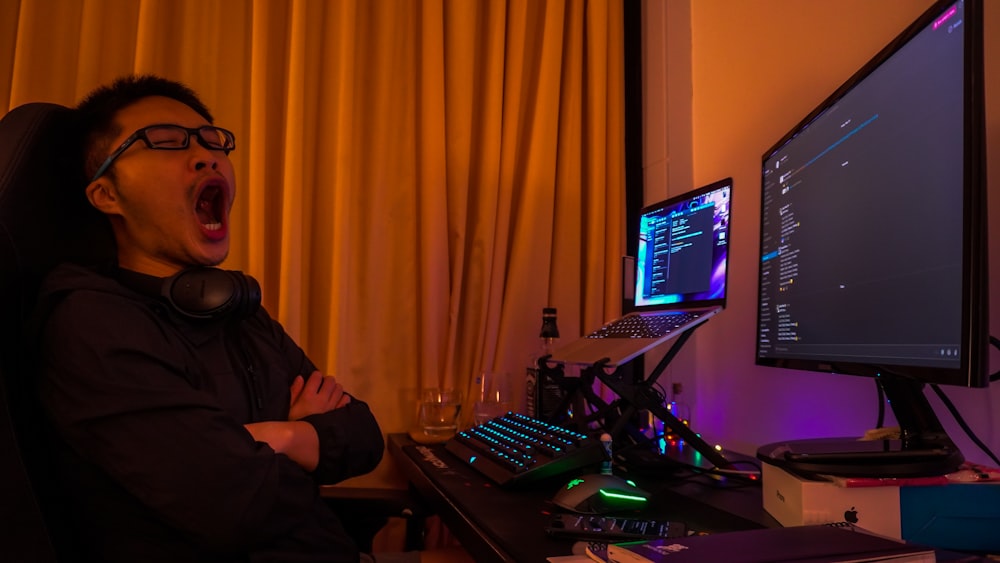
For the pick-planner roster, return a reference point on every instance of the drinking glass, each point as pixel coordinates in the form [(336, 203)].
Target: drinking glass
[(494, 395), (439, 409)]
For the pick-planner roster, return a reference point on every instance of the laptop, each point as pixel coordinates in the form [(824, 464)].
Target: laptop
[(680, 278)]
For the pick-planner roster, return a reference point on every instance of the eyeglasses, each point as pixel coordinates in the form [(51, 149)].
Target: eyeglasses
[(167, 137)]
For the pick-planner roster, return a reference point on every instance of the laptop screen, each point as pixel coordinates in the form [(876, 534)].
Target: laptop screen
[(683, 249)]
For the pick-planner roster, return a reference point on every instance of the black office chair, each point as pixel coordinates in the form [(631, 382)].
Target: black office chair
[(44, 220), (41, 224)]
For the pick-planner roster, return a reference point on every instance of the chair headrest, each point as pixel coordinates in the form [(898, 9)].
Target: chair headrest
[(45, 218)]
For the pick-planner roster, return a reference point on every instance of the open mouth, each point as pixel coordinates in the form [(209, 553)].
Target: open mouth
[(211, 207)]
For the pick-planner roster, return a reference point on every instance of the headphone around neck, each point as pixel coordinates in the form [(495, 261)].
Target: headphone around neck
[(204, 293)]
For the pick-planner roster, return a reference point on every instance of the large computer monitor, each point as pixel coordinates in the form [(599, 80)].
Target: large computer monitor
[(873, 256)]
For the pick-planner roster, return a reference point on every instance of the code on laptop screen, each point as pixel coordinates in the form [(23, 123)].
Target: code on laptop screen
[(683, 248)]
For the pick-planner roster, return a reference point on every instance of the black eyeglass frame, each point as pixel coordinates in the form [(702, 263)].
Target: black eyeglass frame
[(228, 137)]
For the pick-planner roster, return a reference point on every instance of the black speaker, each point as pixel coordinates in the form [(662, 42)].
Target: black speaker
[(211, 293)]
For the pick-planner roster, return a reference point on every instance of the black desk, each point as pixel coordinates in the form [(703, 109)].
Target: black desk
[(498, 524)]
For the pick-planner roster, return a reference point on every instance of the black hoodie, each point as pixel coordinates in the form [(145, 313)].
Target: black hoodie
[(148, 409)]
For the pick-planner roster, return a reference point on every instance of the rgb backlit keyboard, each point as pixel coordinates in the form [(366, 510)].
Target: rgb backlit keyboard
[(515, 449)]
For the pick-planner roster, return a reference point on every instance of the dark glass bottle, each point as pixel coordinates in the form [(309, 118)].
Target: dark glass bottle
[(538, 388)]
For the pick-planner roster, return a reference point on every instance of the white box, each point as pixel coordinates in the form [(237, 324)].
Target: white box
[(795, 501)]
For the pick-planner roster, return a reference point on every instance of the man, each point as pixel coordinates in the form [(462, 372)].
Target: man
[(188, 425)]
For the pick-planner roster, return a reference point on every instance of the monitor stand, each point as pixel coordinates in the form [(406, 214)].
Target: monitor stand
[(922, 450)]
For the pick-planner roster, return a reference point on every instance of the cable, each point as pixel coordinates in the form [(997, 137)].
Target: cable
[(740, 478), (961, 422), (996, 344), (881, 403)]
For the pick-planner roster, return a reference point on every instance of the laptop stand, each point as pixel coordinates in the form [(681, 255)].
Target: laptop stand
[(631, 398)]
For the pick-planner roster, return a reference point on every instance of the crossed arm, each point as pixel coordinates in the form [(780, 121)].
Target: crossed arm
[(294, 437)]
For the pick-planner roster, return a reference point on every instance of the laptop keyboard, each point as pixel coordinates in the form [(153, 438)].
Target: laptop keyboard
[(645, 326)]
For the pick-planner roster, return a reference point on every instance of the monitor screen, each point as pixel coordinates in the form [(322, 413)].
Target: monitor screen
[(873, 231), (872, 234)]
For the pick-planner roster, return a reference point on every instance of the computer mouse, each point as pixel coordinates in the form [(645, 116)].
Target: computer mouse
[(598, 493)]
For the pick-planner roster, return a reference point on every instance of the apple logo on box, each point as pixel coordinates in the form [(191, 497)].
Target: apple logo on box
[(851, 515)]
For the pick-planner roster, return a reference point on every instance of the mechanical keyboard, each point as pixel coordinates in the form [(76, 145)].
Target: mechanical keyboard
[(515, 449)]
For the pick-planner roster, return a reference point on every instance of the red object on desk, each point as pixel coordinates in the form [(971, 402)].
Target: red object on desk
[(966, 473)]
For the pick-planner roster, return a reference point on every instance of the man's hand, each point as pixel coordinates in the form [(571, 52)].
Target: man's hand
[(297, 440), (319, 394)]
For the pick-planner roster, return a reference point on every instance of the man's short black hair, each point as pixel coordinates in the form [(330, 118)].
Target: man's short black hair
[(96, 112)]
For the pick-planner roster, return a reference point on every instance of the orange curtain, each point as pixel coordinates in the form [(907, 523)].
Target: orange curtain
[(417, 179)]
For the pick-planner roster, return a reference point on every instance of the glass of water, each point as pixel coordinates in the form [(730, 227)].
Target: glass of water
[(439, 410)]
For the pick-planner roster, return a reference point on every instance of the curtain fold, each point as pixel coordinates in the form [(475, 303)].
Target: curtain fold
[(415, 179)]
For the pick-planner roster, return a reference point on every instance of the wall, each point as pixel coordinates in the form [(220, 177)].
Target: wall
[(756, 68)]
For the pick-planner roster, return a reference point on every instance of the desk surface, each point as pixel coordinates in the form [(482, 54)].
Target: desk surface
[(500, 524)]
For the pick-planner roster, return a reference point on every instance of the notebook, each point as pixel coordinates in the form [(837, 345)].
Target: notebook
[(679, 276)]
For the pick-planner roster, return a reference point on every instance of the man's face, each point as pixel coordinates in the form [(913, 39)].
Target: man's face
[(169, 208)]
